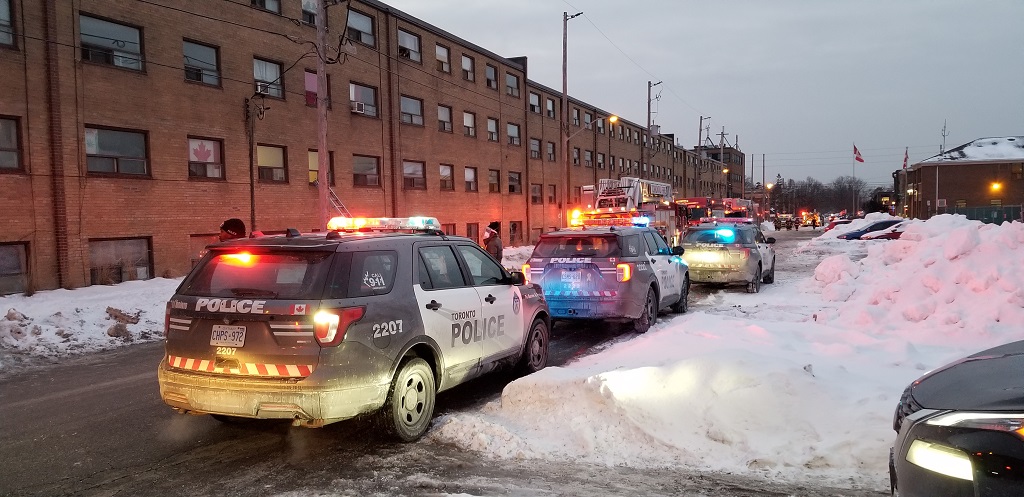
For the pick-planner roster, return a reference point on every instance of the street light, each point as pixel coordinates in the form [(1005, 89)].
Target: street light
[(996, 186)]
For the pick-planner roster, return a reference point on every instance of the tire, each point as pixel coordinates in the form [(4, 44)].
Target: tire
[(535, 353), (770, 277), (754, 285), (683, 304), (649, 314), (407, 412)]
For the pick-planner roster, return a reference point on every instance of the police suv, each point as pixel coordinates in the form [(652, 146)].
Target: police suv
[(730, 251), (610, 268), (375, 315)]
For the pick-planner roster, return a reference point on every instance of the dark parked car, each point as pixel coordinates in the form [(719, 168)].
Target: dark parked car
[(878, 225), (960, 429)]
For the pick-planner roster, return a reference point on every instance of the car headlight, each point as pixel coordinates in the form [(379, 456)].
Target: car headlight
[(941, 459), (1008, 422)]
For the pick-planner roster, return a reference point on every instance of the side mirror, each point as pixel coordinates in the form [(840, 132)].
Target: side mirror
[(770, 239), (677, 250), (518, 278)]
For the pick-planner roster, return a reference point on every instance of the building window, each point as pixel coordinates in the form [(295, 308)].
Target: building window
[(534, 103), (588, 119), (494, 181), (550, 107), (551, 151), (1017, 171), (536, 193), (448, 229), (271, 164), (360, 28), (515, 182), (271, 5), (600, 126), (363, 99), (960, 204), (414, 175), (114, 261), (365, 170), (492, 76), (997, 202), (444, 118), (205, 159), (512, 130), (313, 159), (409, 46), (309, 11), (10, 144), (473, 232), (511, 84), (515, 232), (577, 194), (534, 148), (267, 77), (444, 59), (6, 27), (471, 183), (552, 194), (492, 129), (576, 117), (468, 68), (13, 268), (111, 151), (600, 160), (575, 156), (202, 63), (469, 123), (412, 110), (588, 158), (447, 177), (311, 89), (109, 43)]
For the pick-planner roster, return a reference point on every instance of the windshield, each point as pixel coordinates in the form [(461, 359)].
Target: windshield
[(577, 246), (719, 235), (278, 275)]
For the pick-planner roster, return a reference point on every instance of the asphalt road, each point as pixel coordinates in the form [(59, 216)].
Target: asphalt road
[(95, 425)]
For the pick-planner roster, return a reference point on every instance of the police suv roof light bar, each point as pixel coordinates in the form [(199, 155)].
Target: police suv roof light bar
[(416, 223)]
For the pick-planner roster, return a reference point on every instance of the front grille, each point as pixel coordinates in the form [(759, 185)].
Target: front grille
[(906, 407)]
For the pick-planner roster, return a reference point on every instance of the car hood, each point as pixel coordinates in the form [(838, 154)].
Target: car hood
[(989, 380)]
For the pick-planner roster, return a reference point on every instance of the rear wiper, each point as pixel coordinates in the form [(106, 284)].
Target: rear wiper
[(253, 292)]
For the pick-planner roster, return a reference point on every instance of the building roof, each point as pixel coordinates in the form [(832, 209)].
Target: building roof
[(985, 149)]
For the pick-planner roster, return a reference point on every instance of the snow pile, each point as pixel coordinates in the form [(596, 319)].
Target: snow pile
[(59, 323), (997, 148), (514, 257), (767, 226), (944, 277)]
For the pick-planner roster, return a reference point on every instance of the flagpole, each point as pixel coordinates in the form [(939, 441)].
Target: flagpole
[(853, 186)]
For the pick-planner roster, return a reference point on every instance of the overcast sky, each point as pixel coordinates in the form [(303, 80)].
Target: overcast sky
[(798, 80)]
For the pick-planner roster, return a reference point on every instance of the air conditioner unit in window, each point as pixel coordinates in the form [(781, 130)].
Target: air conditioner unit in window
[(263, 88), (358, 108)]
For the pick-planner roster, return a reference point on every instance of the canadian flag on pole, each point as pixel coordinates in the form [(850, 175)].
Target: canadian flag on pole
[(856, 154), (906, 157)]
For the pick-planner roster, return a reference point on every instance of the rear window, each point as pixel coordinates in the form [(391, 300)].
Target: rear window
[(720, 235), (277, 275), (577, 246)]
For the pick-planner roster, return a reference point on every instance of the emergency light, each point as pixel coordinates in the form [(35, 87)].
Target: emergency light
[(342, 223)]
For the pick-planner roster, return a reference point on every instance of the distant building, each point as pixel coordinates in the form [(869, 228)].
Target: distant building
[(983, 179)]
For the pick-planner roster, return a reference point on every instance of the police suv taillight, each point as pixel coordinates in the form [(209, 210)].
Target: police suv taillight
[(623, 272), (330, 325)]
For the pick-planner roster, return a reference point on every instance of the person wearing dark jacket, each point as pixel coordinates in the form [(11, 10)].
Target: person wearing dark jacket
[(231, 229), (492, 240)]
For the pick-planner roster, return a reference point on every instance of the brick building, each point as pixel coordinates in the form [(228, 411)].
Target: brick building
[(983, 179), (130, 131)]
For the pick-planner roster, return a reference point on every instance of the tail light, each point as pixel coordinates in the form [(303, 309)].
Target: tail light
[(742, 253), (330, 325), (623, 272), (526, 273)]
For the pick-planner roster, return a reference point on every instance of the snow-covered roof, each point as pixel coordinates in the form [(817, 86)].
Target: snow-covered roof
[(985, 149)]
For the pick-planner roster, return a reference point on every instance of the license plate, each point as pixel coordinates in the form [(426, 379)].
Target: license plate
[(571, 276), (227, 336)]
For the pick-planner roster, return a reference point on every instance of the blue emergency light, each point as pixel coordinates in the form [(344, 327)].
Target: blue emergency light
[(727, 235)]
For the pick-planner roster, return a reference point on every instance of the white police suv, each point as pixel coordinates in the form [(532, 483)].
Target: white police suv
[(375, 315), (612, 268)]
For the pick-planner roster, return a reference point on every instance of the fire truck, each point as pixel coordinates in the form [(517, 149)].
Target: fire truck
[(697, 210), (639, 197)]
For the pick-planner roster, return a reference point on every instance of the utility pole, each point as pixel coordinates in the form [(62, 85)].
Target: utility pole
[(700, 156), (647, 146), (322, 154), (945, 133), (565, 117), (721, 154)]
